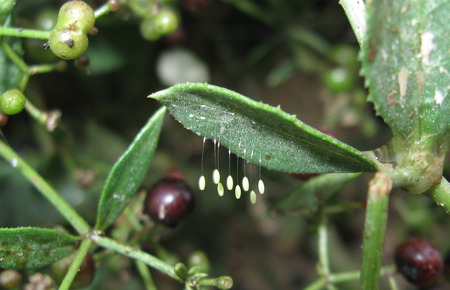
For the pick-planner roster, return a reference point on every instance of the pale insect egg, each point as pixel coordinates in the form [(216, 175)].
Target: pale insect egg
[(237, 192), (216, 176), (253, 197), (202, 182), (220, 189), (245, 183), (261, 187), (229, 182)]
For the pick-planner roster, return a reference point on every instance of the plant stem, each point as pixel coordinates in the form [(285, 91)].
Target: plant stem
[(102, 10), (145, 274), (136, 254), (75, 266), (24, 33), (374, 229), (323, 249), (441, 194), (44, 188), (345, 277), (356, 14)]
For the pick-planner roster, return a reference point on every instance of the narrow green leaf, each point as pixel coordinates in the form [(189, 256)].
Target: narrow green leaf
[(6, 7), (10, 73), (258, 132), (32, 248), (307, 198), (406, 63), (129, 172)]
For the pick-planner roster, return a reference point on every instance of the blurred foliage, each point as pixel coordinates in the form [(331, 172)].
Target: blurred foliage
[(105, 105)]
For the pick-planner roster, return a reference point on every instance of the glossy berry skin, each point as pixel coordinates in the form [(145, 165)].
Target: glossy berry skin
[(12, 102), (339, 79), (76, 15), (68, 44), (169, 201), (68, 39), (419, 261), (85, 275), (166, 22)]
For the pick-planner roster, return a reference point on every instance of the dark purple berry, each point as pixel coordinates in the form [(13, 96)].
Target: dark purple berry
[(169, 201), (419, 261)]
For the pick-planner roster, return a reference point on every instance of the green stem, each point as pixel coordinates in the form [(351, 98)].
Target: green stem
[(102, 10), (44, 188), (356, 14), (323, 249), (345, 277), (24, 33), (441, 194), (136, 254), (75, 266), (145, 274), (374, 229), (14, 57)]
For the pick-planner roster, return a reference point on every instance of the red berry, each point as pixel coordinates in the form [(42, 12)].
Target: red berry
[(169, 201), (419, 261)]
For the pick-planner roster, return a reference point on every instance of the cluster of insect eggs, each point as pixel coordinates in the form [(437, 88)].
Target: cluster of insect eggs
[(230, 185)]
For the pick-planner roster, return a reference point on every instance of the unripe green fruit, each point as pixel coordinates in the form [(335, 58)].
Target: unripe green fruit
[(68, 39), (68, 44), (76, 15), (148, 30), (166, 22), (12, 102), (339, 79)]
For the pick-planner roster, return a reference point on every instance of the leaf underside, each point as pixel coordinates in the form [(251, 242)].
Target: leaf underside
[(33, 248), (129, 172), (258, 132)]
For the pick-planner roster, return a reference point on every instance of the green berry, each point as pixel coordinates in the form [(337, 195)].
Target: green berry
[(166, 21), (339, 79), (148, 30), (68, 44), (68, 39), (200, 261), (76, 15), (12, 102)]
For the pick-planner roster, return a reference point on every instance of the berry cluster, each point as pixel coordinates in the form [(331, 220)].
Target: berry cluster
[(68, 39)]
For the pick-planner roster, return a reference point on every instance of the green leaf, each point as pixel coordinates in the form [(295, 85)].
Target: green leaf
[(10, 73), (129, 172), (258, 132), (32, 248), (6, 7), (406, 64), (307, 198)]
